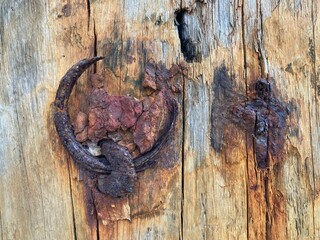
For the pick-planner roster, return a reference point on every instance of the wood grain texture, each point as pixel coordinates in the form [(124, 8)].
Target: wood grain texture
[(195, 191)]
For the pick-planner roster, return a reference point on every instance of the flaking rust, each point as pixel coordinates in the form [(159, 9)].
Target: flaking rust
[(261, 114)]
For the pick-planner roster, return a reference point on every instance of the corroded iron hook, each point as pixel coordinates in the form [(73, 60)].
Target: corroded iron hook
[(108, 164)]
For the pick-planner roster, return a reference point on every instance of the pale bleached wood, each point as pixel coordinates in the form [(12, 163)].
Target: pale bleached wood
[(35, 198)]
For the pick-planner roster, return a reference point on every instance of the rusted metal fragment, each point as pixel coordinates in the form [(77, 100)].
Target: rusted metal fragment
[(103, 207), (111, 209), (147, 159), (80, 123), (80, 127), (150, 77), (83, 135), (158, 77), (150, 114), (111, 113), (97, 81), (261, 140), (121, 180), (261, 115), (148, 125)]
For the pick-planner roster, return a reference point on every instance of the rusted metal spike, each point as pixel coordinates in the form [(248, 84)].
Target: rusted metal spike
[(145, 161), (261, 114)]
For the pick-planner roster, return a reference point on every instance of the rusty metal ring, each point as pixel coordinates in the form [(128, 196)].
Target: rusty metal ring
[(79, 153)]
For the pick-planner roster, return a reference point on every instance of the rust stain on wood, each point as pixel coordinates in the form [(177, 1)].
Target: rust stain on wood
[(102, 207)]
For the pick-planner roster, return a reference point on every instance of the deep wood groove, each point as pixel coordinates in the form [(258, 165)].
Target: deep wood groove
[(72, 202), (183, 153), (89, 13), (246, 134), (316, 111)]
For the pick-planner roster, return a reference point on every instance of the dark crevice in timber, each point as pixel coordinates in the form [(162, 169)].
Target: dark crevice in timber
[(312, 53), (72, 203), (95, 51), (268, 217), (247, 182), (187, 46), (89, 13), (191, 35), (261, 132), (316, 110), (1, 227), (246, 134), (183, 152), (312, 161), (262, 55), (244, 49), (264, 136), (95, 212)]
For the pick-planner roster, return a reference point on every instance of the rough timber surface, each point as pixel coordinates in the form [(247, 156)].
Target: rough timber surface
[(207, 191)]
